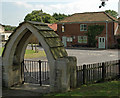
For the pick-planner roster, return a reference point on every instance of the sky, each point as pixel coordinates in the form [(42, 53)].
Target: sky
[(13, 12)]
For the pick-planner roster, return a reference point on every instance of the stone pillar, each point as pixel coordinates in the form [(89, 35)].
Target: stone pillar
[(62, 75), (0, 76), (65, 74), (73, 74), (0, 67)]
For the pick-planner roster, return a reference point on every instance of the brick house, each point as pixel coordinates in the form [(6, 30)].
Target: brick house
[(117, 35), (119, 20), (72, 29)]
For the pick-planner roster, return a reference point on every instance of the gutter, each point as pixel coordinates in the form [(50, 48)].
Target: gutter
[(106, 34), (87, 22)]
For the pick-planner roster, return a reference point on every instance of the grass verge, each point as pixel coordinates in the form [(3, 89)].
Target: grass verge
[(100, 89), (29, 54), (1, 50)]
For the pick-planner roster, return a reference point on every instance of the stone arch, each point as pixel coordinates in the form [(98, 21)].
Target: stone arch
[(13, 55)]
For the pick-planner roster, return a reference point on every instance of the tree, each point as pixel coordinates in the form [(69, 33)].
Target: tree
[(93, 31), (9, 28), (112, 13), (39, 16), (59, 16)]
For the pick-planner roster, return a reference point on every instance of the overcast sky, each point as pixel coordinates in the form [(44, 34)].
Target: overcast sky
[(12, 12)]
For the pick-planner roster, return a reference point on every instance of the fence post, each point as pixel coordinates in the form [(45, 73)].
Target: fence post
[(119, 68), (40, 72), (84, 74), (103, 71)]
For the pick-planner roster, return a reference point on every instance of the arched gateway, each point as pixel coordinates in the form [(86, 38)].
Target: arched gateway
[(62, 67)]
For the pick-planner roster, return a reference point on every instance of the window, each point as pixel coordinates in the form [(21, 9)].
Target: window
[(83, 27), (3, 37), (82, 39), (103, 39), (63, 28), (69, 39)]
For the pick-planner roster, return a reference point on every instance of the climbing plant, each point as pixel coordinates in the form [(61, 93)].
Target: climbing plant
[(93, 31)]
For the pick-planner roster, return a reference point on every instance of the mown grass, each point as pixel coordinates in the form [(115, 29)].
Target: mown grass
[(29, 54), (1, 50), (100, 89)]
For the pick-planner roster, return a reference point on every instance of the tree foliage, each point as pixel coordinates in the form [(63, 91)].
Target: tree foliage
[(112, 13), (40, 16), (93, 31), (59, 16), (9, 28)]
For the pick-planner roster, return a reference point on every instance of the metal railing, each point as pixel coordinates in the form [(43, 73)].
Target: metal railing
[(36, 72), (97, 72)]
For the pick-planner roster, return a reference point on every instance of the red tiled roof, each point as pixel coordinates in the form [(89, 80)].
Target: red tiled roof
[(53, 26), (89, 17)]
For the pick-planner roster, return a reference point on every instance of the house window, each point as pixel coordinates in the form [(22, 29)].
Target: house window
[(69, 39), (63, 28), (82, 39), (3, 37), (83, 27)]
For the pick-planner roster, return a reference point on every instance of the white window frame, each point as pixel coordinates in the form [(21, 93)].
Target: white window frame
[(83, 27), (3, 37), (82, 39), (69, 39), (79, 39)]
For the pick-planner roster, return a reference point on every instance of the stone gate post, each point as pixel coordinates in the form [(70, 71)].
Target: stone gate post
[(65, 74)]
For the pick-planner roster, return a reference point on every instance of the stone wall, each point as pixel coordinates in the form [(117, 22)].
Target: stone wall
[(0, 76)]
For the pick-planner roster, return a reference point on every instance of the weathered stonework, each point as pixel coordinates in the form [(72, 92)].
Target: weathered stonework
[(62, 67)]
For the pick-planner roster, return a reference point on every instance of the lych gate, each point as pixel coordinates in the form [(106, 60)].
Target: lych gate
[(62, 67)]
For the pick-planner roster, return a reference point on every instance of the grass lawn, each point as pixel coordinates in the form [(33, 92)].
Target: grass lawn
[(29, 54), (100, 89), (1, 50)]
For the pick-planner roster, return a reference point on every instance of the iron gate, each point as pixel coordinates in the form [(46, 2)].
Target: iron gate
[(36, 72)]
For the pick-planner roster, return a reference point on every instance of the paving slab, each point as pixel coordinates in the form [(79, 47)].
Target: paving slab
[(26, 90)]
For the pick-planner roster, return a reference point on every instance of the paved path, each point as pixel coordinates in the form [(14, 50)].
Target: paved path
[(26, 90)]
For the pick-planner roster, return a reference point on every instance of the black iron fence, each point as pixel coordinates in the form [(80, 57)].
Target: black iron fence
[(97, 72), (36, 72)]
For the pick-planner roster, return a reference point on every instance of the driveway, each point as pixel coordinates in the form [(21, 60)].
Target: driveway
[(93, 56), (88, 56)]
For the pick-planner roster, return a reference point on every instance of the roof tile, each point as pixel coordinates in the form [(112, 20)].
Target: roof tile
[(89, 17)]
